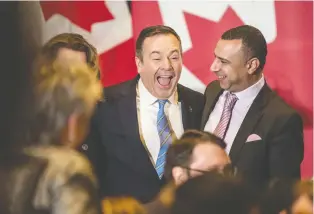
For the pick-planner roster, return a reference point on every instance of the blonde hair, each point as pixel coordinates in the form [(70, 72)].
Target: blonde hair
[(60, 90), (122, 205), (304, 187), (74, 42)]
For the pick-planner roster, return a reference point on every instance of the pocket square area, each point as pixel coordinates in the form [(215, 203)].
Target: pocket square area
[(253, 137)]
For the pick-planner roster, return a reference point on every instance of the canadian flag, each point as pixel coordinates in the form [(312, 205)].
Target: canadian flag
[(112, 27)]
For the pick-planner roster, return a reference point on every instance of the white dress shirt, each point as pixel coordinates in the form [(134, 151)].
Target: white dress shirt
[(242, 106), (148, 119)]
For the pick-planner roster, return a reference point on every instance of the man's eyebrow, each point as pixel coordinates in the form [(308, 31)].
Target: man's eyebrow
[(222, 59), (174, 51), (154, 52)]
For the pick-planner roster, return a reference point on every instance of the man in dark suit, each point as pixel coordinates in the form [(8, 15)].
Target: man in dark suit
[(264, 135), (134, 125)]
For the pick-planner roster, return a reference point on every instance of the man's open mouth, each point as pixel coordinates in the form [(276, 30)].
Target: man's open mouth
[(164, 80)]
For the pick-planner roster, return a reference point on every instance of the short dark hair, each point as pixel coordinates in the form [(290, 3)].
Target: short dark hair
[(180, 152), (253, 42), (153, 31), (203, 136), (215, 193), (74, 42)]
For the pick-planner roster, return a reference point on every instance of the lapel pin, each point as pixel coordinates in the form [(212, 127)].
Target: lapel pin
[(190, 109), (85, 147)]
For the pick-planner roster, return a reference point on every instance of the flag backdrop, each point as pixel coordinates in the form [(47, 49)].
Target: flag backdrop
[(112, 27)]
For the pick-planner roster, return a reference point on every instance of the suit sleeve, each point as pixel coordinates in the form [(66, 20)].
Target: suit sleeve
[(287, 148)]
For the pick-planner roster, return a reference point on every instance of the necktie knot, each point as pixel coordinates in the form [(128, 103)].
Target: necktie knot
[(231, 99), (162, 103)]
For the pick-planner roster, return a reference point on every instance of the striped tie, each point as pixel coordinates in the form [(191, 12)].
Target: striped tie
[(223, 124), (164, 133)]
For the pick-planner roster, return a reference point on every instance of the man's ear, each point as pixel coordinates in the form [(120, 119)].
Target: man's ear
[(138, 63), (252, 65), (69, 131), (179, 175)]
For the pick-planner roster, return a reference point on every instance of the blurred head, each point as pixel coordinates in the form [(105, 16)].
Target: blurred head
[(304, 198), (240, 56), (66, 95), (301, 200), (122, 205), (194, 154), (19, 43), (159, 60), (71, 47), (214, 193), (288, 196)]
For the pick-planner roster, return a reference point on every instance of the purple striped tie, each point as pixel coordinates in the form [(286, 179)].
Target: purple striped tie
[(224, 121)]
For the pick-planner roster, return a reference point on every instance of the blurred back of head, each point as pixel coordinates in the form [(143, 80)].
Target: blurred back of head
[(66, 94), (70, 46), (195, 153), (303, 198), (214, 193), (288, 196), (20, 40)]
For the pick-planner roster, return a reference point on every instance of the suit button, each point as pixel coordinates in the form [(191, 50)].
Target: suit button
[(85, 147)]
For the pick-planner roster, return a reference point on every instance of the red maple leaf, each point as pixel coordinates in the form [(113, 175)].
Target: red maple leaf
[(289, 68), (204, 36), (118, 64), (81, 13), (144, 14), (289, 57)]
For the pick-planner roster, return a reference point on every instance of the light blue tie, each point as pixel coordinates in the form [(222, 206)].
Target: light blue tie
[(164, 133)]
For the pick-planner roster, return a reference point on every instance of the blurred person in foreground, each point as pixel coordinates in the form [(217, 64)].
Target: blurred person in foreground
[(302, 199), (194, 154), (50, 176), (288, 196), (20, 43), (215, 193), (71, 47), (122, 205)]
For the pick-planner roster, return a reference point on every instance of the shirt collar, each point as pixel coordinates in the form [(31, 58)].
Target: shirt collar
[(251, 92), (147, 98)]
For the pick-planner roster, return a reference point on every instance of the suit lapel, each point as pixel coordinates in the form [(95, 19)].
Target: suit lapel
[(251, 119), (128, 114), (186, 109), (136, 154), (211, 100)]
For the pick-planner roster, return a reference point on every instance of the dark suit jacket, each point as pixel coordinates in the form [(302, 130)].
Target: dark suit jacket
[(114, 146), (280, 152)]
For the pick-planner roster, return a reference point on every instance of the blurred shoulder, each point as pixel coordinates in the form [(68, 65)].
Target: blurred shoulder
[(62, 161)]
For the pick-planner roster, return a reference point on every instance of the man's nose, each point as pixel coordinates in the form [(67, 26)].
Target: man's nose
[(215, 67), (166, 64)]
